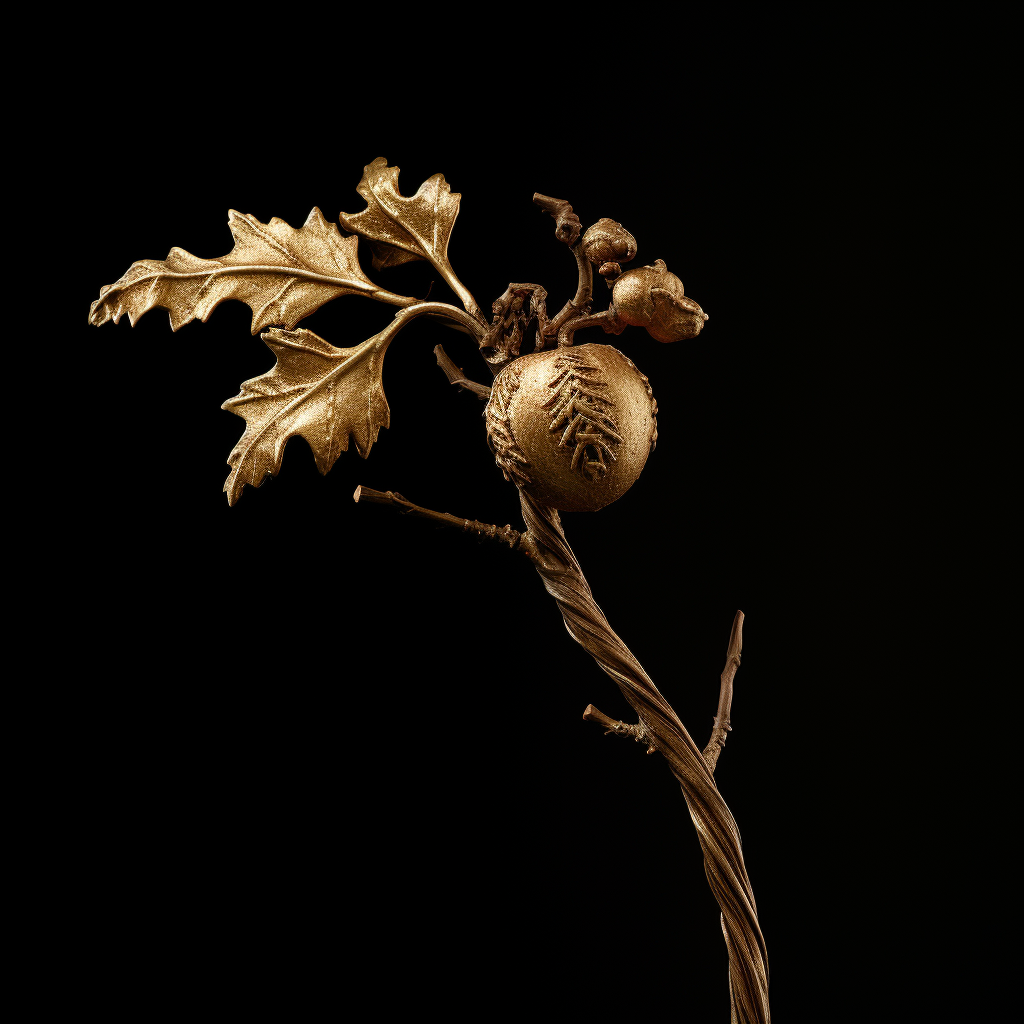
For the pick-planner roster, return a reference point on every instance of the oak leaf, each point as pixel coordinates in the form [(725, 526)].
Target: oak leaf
[(282, 273), (403, 228), (315, 391)]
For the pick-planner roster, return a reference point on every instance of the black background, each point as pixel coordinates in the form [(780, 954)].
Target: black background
[(335, 755)]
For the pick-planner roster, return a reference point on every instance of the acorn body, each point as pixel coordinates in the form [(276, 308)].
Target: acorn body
[(572, 426), (653, 297)]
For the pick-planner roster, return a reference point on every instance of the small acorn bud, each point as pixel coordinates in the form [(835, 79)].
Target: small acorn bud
[(609, 271), (572, 426), (652, 297), (608, 241)]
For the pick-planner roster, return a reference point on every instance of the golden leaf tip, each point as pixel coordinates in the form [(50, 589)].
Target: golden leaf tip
[(357, 492)]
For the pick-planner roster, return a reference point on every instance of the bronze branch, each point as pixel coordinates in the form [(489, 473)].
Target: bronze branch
[(570, 426), (660, 728)]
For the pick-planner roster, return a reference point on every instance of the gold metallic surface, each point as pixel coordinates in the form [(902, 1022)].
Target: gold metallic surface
[(652, 297), (282, 273), (608, 241), (580, 421), (570, 426), (400, 229), (318, 392), (315, 391)]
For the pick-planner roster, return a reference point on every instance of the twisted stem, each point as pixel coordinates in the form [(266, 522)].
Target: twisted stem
[(717, 831), (545, 545)]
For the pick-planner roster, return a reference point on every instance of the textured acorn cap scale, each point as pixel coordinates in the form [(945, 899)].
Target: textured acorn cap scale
[(572, 426), (608, 241)]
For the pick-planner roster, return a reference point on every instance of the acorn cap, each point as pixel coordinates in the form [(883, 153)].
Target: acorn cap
[(608, 241)]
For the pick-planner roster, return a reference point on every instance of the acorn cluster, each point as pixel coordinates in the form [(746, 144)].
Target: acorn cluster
[(573, 426)]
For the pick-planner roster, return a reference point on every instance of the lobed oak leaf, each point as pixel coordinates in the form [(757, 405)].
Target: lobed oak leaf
[(315, 391), (282, 273), (403, 228)]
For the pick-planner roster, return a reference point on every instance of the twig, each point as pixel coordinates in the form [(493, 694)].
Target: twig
[(591, 714), (567, 229), (722, 724), (502, 534), (607, 321), (456, 376), (567, 224)]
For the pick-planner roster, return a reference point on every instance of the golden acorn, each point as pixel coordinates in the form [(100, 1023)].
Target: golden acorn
[(572, 426), (652, 297), (608, 241)]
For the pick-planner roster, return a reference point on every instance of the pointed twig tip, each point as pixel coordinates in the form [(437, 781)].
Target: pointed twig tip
[(736, 636)]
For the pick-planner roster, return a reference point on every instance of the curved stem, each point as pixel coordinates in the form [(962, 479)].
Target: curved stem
[(579, 304), (451, 315), (392, 298), (464, 294), (606, 320), (567, 229)]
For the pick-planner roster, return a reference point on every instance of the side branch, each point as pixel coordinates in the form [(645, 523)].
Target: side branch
[(722, 724), (639, 734), (501, 534), (607, 321), (457, 377), (567, 229), (567, 224)]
